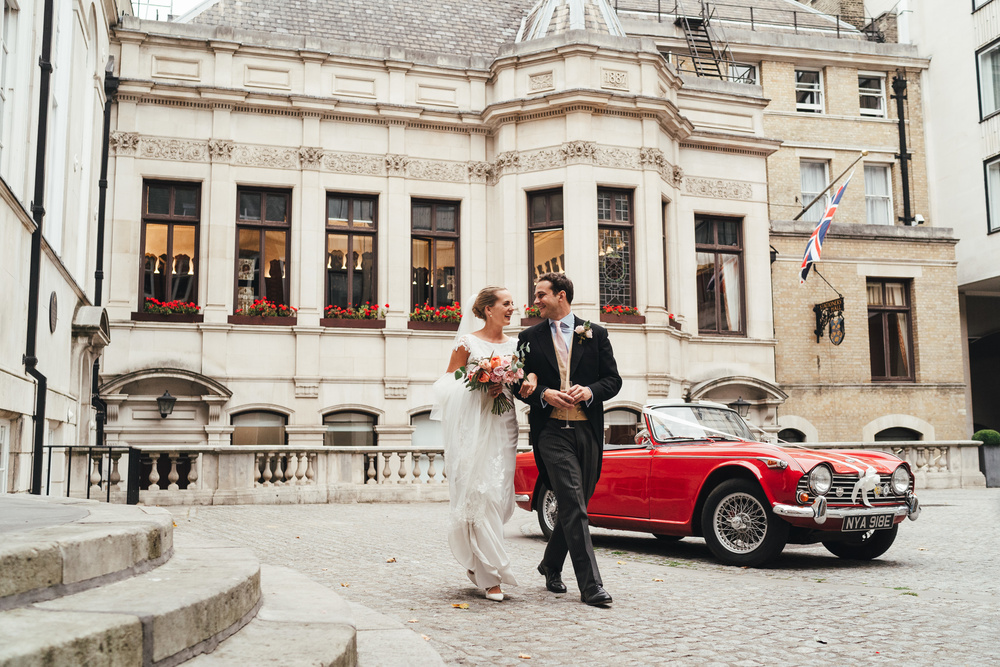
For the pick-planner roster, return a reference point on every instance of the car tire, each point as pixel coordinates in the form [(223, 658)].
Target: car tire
[(866, 546), (739, 526), (548, 511)]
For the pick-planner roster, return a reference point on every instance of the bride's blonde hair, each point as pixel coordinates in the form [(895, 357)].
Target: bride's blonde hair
[(487, 297)]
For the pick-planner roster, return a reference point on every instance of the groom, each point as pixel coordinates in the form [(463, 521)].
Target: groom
[(576, 372)]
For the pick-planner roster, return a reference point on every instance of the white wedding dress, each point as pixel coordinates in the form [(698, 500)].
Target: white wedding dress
[(479, 450)]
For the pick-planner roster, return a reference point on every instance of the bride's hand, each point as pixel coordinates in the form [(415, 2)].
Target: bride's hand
[(528, 386), (495, 390)]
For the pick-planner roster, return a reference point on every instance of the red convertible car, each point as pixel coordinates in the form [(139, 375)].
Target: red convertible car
[(696, 470)]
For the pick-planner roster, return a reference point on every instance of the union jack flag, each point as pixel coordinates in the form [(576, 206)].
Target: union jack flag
[(814, 248)]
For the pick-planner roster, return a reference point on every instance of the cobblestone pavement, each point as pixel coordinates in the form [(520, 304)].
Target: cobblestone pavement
[(931, 599)]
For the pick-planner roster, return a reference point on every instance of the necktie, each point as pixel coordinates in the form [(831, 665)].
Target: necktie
[(558, 330)]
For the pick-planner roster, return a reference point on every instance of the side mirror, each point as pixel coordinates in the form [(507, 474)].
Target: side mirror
[(642, 438)]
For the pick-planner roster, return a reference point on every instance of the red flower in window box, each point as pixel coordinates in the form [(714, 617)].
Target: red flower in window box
[(266, 308), (175, 307)]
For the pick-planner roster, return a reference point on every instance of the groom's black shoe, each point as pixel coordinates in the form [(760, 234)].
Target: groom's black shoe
[(595, 596), (553, 579)]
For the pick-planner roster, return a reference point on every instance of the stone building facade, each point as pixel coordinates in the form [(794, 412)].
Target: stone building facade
[(555, 135)]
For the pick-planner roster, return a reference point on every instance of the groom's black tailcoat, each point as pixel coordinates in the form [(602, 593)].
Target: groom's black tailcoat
[(592, 364)]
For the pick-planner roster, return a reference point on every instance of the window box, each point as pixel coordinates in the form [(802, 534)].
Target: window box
[(432, 326), (614, 318), (531, 321), (182, 318), (675, 324), (262, 320), (351, 324)]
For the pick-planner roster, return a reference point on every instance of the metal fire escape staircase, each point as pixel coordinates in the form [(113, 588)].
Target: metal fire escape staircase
[(708, 59)]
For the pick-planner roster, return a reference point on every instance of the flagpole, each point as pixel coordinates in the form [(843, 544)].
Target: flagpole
[(827, 188)]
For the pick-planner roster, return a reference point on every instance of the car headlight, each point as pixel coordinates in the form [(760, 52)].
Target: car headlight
[(900, 480), (820, 480)]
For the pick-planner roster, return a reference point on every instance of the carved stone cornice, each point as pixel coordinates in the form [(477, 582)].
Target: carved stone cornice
[(718, 188), (124, 143)]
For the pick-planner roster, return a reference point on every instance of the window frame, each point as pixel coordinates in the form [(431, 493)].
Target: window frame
[(825, 202), (434, 236), (717, 249), (8, 37), (284, 426), (371, 415), (614, 224), (992, 222), (262, 226), (983, 3), (889, 182), (882, 111), (170, 220), (817, 108), (350, 232), (549, 225), (885, 310), (992, 46)]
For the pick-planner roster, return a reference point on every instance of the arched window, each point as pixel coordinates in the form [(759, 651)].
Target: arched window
[(350, 429), (791, 435), (620, 426), (897, 433), (259, 428)]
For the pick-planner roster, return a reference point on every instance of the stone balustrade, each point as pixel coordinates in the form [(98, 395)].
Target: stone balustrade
[(937, 464)]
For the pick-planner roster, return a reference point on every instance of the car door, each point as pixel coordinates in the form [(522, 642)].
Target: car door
[(675, 478), (622, 488)]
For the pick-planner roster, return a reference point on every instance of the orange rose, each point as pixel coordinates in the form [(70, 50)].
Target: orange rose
[(495, 362), (484, 377)]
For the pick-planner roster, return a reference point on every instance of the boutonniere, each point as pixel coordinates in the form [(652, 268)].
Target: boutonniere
[(583, 331)]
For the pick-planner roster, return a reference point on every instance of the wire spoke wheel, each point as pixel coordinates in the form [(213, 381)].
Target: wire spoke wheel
[(740, 523), (548, 511)]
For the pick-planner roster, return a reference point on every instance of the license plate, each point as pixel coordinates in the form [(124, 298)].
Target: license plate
[(867, 522)]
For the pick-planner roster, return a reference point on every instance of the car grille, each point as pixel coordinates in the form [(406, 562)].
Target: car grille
[(843, 486)]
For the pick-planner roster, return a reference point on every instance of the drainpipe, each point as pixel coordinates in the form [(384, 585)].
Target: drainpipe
[(899, 94), (110, 91), (38, 213)]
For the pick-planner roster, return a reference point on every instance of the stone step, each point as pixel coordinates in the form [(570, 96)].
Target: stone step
[(202, 595), (301, 623), (92, 544)]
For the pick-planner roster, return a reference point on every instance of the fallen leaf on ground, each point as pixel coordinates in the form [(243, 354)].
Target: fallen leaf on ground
[(175, 524), (460, 605), (524, 656), (413, 620), (325, 569), (390, 560), (921, 548), (297, 537), (425, 638), (621, 562), (657, 579), (345, 585)]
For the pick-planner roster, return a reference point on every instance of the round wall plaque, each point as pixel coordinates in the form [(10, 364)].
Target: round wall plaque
[(53, 312)]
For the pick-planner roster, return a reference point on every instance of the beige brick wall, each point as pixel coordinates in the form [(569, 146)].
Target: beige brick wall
[(831, 386)]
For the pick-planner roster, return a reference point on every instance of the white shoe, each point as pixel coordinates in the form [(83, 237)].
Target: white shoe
[(496, 597)]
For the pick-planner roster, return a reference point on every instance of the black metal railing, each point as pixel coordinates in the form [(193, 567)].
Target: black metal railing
[(754, 18), (102, 469)]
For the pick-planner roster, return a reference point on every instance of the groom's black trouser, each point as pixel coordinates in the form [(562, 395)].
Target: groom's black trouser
[(572, 459)]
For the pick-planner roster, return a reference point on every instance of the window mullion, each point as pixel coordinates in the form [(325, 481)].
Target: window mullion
[(169, 269)]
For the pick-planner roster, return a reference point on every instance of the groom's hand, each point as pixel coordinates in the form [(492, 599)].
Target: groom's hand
[(580, 394), (558, 399)]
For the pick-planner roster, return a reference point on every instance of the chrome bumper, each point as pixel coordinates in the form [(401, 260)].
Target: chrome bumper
[(521, 498), (820, 512)]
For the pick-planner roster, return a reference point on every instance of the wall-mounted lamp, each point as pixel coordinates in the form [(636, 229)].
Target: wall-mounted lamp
[(166, 404), (741, 407)]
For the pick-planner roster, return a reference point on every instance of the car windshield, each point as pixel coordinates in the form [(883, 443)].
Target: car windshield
[(695, 422)]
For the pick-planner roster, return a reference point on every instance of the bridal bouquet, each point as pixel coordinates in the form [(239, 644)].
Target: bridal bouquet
[(505, 370)]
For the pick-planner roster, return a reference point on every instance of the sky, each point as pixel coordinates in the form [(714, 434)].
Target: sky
[(148, 9)]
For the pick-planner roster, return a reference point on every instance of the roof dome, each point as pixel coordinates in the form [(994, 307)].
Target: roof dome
[(553, 17)]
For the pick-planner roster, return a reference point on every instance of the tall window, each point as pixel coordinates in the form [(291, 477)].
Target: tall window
[(719, 256), (7, 31), (988, 66), (615, 254), (434, 258), (878, 194), (170, 215), (813, 177), (808, 91), (350, 250), (993, 194), (545, 227), (349, 429), (259, 428), (871, 90), (890, 337), (262, 240)]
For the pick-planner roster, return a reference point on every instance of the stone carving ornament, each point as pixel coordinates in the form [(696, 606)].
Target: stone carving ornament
[(124, 143), (221, 150), (354, 163), (578, 151), (311, 157), (432, 170), (480, 171), (173, 149), (266, 156), (719, 188), (396, 164)]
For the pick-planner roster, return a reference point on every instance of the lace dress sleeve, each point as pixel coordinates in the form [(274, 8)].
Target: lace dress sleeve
[(464, 342)]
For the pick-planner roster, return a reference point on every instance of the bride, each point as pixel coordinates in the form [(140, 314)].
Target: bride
[(479, 447)]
